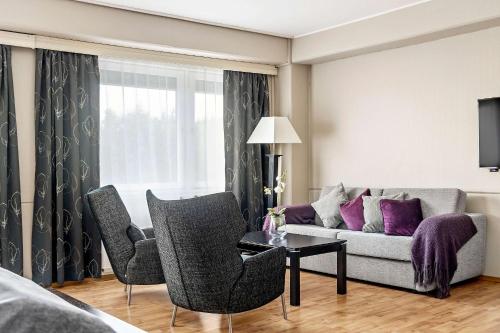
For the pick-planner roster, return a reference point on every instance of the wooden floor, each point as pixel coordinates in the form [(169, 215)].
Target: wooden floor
[(473, 307)]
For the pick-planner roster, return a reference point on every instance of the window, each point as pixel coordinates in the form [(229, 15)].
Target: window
[(161, 129)]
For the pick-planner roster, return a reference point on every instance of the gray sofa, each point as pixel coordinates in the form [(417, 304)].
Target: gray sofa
[(386, 259)]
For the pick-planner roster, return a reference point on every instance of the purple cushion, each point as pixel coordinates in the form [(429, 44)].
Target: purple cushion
[(295, 214), (401, 217), (352, 212)]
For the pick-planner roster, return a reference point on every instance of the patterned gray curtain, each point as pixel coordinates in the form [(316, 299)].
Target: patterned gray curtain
[(246, 100), (66, 242), (11, 241)]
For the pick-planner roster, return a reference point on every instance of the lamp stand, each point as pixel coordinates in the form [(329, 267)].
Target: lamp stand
[(272, 200)]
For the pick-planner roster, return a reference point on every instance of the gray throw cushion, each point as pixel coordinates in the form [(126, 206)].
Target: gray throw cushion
[(374, 222), (328, 207), (135, 233)]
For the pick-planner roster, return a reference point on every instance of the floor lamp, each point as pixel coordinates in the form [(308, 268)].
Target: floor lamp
[(273, 130)]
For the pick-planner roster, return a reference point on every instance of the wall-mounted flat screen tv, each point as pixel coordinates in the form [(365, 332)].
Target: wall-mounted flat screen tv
[(489, 133)]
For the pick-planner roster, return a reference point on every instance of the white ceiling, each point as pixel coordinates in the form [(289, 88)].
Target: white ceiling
[(287, 18)]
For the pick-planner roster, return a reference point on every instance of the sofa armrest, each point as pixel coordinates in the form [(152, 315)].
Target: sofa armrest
[(479, 239), (480, 222)]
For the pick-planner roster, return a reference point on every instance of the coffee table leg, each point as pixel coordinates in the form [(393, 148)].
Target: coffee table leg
[(295, 278), (341, 271)]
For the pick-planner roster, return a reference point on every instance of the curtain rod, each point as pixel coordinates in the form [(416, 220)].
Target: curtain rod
[(123, 52)]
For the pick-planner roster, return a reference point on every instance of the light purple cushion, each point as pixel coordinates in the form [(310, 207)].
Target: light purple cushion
[(295, 214), (401, 217), (352, 212)]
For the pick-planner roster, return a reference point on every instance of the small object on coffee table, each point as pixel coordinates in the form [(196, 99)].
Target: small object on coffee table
[(298, 246)]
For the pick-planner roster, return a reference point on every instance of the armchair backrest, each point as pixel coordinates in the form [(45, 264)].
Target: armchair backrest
[(197, 240), (112, 221)]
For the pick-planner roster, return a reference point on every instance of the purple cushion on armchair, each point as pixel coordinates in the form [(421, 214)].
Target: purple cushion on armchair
[(295, 214), (401, 217)]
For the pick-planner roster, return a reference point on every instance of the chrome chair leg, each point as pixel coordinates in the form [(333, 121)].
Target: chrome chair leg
[(230, 323), (125, 289), (283, 306), (174, 315), (129, 294)]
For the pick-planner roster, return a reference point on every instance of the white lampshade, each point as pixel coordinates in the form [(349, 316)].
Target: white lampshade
[(274, 130)]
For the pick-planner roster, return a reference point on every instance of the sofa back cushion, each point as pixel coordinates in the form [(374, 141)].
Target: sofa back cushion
[(353, 192), (434, 201)]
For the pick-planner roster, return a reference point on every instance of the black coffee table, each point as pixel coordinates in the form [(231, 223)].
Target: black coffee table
[(298, 246)]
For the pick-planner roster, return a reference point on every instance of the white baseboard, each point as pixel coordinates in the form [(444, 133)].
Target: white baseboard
[(107, 270)]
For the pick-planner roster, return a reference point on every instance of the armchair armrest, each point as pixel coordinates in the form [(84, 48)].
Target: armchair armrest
[(149, 232), (146, 247), (262, 280), (145, 266), (272, 261)]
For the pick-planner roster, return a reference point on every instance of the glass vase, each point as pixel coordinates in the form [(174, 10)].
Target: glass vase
[(277, 227)]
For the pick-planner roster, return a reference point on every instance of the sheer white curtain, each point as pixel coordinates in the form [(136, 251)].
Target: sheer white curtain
[(161, 129)]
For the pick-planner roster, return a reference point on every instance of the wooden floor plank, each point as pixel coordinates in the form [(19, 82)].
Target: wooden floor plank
[(472, 307)]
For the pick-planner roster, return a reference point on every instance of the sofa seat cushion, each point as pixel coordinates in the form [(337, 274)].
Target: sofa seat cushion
[(312, 230), (377, 245)]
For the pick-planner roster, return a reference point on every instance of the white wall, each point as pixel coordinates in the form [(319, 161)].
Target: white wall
[(23, 72), (408, 117), (293, 102)]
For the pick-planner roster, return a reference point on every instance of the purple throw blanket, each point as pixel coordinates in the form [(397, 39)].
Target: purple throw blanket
[(434, 250), (296, 214)]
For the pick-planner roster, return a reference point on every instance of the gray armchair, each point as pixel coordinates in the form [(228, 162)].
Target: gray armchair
[(133, 263), (198, 239)]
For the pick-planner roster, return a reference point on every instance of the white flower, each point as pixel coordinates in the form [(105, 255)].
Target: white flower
[(280, 188), (267, 191), (281, 178)]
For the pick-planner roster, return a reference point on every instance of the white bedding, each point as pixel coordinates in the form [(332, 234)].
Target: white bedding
[(25, 307)]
